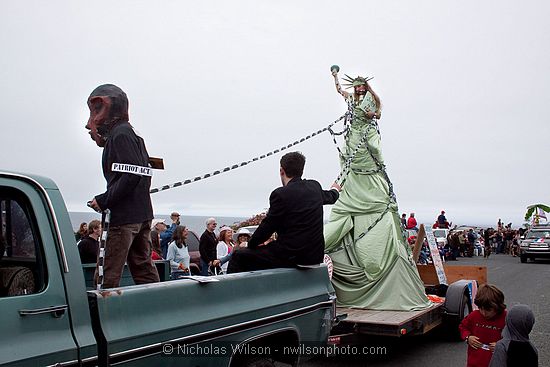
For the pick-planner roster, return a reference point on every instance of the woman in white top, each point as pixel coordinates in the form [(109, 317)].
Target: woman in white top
[(225, 246), (178, 254)]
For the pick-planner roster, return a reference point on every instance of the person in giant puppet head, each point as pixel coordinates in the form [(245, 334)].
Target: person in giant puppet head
[(126, 169)]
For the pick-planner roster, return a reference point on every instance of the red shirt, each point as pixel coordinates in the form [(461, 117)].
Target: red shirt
[(411, 223), (488, 331), (155, 256)]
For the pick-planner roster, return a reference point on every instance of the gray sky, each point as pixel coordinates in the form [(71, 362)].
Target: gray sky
[(464, 85)]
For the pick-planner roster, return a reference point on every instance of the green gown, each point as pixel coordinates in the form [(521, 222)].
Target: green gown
[(375, 271)]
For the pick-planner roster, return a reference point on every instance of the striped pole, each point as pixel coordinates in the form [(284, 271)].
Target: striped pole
[(105, 219)]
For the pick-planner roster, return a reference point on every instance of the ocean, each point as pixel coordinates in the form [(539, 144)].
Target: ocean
[(194, 223)]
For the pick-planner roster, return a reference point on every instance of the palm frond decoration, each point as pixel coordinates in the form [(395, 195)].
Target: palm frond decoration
[(534, 210)]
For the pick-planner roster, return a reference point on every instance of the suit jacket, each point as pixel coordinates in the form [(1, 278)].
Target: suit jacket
[(296, 214)]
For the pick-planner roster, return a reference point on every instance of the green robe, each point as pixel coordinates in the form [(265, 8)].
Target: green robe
[(376, 271)]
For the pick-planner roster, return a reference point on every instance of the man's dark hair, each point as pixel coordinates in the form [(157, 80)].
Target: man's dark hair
[(293, 163)]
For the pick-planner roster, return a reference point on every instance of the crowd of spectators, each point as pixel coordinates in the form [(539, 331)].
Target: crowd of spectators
[(216, 250), (466, 241)]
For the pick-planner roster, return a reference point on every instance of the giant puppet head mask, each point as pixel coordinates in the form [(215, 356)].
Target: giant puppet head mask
[(108, 104)]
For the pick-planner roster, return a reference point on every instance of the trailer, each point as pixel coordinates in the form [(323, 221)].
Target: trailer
[(450, 305)]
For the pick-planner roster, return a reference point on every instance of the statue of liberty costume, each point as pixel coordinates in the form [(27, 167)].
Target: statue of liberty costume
[(373, 266)]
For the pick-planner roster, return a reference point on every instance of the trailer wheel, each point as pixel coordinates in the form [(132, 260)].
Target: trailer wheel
[(466, 309), (457, 305), (453, 322)]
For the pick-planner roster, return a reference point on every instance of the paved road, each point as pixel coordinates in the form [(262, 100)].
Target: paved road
[(521, 283)]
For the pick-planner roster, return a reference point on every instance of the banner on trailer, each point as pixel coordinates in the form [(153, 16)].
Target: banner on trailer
[(438, 263)]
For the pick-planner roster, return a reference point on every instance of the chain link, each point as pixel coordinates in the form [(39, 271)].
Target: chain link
[(242, 164), (346, 167)]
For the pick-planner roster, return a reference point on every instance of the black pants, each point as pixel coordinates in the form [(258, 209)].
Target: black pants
[(259, 258)]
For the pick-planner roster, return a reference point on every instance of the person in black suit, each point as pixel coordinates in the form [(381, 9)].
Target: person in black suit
[(296, 215)]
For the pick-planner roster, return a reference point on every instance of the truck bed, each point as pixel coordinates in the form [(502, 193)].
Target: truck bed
[(134, 322), (390, 323)]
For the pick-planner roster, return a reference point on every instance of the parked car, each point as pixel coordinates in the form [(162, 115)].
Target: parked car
[(193, 248), (440, 235), (535, 244)]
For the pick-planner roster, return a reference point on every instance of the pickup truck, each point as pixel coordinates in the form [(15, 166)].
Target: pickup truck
[(535, 244), (51, 318)]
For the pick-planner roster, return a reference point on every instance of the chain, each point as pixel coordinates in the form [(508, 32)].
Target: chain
[(347, 167), (347, 164), (255, 159), (376, 221), (392, 198), (365, 171)]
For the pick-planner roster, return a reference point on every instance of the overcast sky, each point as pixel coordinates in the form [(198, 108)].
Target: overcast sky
[(464, 85)]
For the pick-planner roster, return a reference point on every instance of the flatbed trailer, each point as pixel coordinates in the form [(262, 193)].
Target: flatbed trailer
[(393, 323), (355, 323)]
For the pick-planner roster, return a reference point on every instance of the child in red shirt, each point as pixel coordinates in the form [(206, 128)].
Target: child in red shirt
[(482, 328)]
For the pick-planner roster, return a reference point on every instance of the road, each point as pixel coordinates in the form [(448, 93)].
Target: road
[(521, 283)]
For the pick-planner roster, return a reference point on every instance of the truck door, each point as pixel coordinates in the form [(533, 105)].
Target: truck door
[(35, 322)]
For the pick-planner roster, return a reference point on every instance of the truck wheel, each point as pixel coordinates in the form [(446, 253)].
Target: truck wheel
[(523, 258)]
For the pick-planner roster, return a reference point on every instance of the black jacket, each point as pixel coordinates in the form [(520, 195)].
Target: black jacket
[(296, 214), (88, 249), (207, 246), (127, 194)]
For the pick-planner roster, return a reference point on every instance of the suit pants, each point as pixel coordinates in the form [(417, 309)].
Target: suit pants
[(262, 257), (128, 243)]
